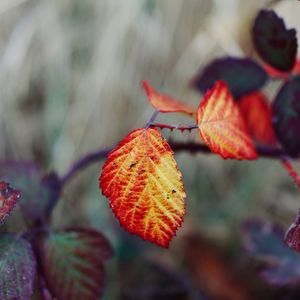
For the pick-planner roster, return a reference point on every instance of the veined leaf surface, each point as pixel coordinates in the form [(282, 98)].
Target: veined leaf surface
[(165, 103), (221, 125), (73, 263), (144, 186)]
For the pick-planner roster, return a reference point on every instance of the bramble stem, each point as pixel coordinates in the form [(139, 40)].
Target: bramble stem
[(174, 127), (152, 119), (192, 147), (84, 162)]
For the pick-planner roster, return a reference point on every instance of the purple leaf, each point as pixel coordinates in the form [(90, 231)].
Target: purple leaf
[(39, 194), (286, 116), (17, 268), (73, 263), (242, 75), (275, 44), (279, 264), (8, 199)]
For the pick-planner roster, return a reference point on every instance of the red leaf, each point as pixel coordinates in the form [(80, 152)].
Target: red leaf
[(257, 114), (144, 186), (164, 103), (8, 199), (221, 125)]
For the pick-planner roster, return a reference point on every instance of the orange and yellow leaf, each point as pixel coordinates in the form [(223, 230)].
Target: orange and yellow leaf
[(164, 103), (257, 114), (144, 186), (221, 125)]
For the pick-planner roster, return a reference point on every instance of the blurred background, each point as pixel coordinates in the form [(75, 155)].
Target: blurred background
[(70, 73)]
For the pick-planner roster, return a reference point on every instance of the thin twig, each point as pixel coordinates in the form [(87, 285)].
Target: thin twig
[(84, 162), (152, 119)]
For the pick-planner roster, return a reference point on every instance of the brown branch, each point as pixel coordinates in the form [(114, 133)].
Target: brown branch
[(191, 147)]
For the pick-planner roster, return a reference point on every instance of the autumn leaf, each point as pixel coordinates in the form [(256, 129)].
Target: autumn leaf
[(8, 199), (257, 114), (144, 186), (164, 103), (221, 125)]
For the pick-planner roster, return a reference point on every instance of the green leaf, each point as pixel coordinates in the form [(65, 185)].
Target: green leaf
[(275, 44), (73, 263), (286, 116), (17, 268), (39, 194)]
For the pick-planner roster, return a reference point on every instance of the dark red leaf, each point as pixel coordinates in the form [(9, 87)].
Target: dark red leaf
[(292, 236), (286, 116), (8, 199), (276, 44), (242, 75)]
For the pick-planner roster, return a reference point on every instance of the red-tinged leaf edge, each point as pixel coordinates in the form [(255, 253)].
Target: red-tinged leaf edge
[(274, 73), (8, 199)]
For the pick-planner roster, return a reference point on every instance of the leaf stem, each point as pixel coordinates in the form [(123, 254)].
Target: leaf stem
[(84, 162), (152, 119)]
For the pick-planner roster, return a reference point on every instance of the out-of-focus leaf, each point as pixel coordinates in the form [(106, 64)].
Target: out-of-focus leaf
[(257, 114), (242, 75), (221, 125), (152, 281), (8, 199), (165, 103), (214, 274), (144, 186), (279, 264), (276, 44), (286, 116), (73, 263), (17, 268), (39, 194)]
